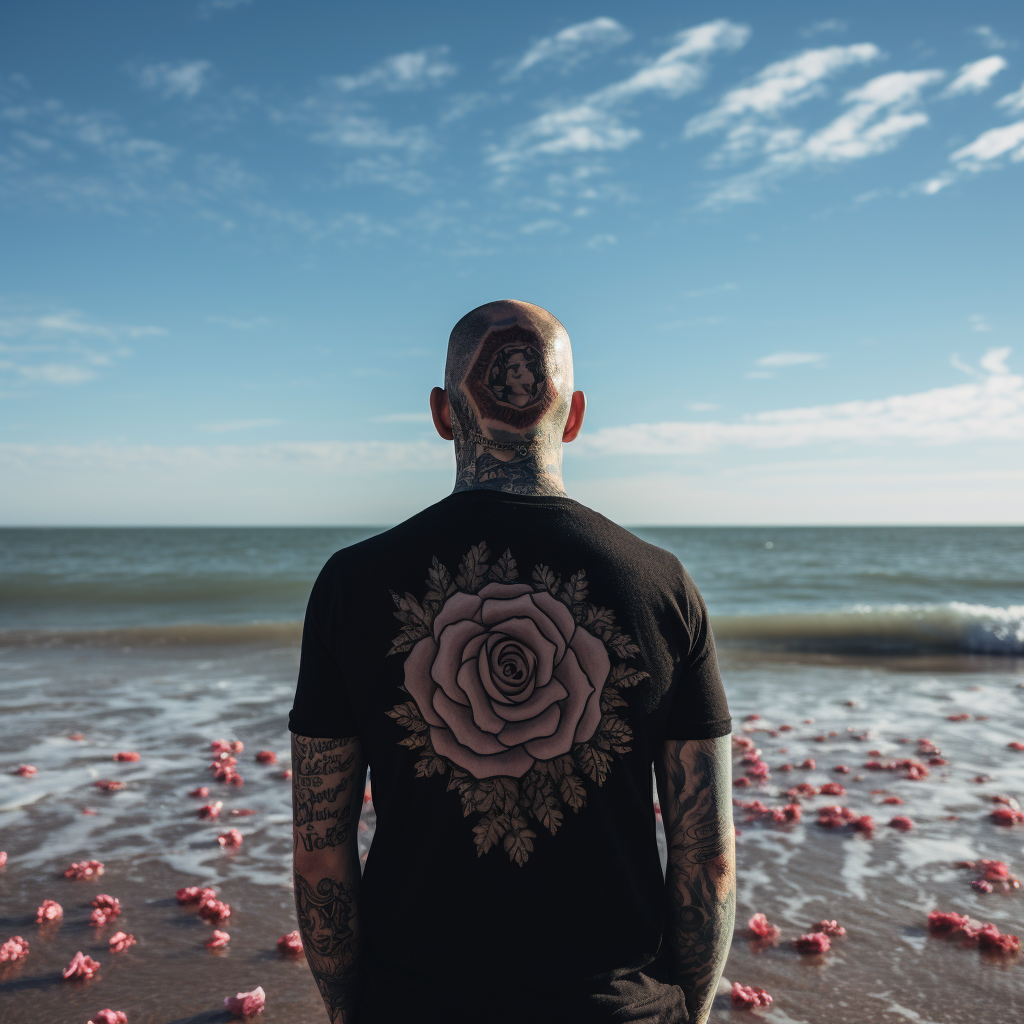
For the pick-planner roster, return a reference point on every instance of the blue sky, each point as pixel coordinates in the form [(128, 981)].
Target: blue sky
[(785, 240)]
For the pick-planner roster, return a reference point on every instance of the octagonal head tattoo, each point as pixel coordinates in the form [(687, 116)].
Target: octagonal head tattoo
[(507, 380)]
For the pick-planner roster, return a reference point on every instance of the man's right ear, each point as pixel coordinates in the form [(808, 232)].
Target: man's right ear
[(441, 413)]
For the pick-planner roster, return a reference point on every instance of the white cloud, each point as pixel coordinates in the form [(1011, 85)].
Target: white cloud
[(991, 408), (791, 359), (975, 77), (572, 45), (601, 241), (402, 72), (986, 152), (880, 114), (989, 37), (782, 85), (979, 323), (233, 425), (185, 79), (592, 124), (57, 373), (1013, 101), (829, 25), (208, 8)]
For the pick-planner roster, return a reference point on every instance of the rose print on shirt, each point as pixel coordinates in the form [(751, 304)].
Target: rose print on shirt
[(513, 693)]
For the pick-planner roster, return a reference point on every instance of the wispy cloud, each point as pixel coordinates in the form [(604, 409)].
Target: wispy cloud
[(232, 425), (402, 72), (828, 25), (990, 37), (975, 77), (880, 114), (989, 409), (64, 347), (185, 79), (986, 152), (594, 124), (208, 8), (779, 359), (1013, 101), (571, 45), (780, 86), (602, 241)]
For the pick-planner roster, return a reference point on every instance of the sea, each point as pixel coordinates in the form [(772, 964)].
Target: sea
[(845, 646)]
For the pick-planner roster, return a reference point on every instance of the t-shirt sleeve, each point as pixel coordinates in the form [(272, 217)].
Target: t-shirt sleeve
[(699, 709), (322, 707)]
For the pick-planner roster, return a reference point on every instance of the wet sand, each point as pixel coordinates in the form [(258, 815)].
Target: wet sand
[(168, 704)]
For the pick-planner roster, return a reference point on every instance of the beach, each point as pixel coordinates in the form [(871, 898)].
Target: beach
[(851, 646)]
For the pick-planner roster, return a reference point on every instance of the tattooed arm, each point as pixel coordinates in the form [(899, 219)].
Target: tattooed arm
[(694, 782), (327, 795)]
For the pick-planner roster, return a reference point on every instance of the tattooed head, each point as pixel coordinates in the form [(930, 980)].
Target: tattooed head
[(509, 368)]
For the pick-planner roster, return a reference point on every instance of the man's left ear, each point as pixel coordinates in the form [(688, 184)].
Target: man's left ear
[(441, 413), (577, 410)]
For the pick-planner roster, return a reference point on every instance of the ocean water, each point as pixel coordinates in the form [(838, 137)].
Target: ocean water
[(159, 641)]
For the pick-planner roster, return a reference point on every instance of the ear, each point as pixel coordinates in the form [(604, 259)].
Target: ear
[(577, 410), (441, 413)]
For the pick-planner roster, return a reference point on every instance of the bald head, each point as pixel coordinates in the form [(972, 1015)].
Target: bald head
[(509, 367)]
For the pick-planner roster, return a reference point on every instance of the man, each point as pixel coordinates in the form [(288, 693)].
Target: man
[(542, 659)]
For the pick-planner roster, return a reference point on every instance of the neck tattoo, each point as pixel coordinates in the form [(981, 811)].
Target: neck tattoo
[(501, 446)]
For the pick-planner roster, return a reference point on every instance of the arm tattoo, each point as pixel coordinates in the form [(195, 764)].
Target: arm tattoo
[(327, 776), (694, 779), (326, 916)]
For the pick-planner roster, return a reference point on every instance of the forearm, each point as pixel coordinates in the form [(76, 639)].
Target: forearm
[(326, 904), (699, 922)]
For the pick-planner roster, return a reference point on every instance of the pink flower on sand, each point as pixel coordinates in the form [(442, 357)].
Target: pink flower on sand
[(266, 757), (210, 810), (13, 949), (3, 858), (214, 911), (81, 966), (832, 928), (49, 910), (230, 838), (110, 1017), (814, 942), (201, 792), (25, 770), (246, 1004), (290, 943), (195, 894), (109, 785), (219, 939), (84, 869), (763, 928), (744, 997), (119, 942), (505, 678), (128, 755)]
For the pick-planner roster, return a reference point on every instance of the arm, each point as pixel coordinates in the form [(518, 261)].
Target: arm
[(694, 782), (327, 796)]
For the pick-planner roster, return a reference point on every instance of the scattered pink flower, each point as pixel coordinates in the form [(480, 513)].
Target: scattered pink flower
[(266, 757), (865, 823), (842, 769), (84, 869), (813, 942), (109, 785), (237, 747), (744, 997), (833, 789), (833, 928), (13, 949), (110, 1017), (230, 838), (751, 718), (81, 966), (892, 800), (25, 770), (210, 810), (810, 764), (220, 746), (286, 774), (246, 1004), (76, 736), (214, 910), (991, 938), (202, 792), (1007, 816), (88, 810), (741, 782), (290, 943), (219, 939), (982, 885), (1016, 745), (195, 894), (902, 822), (962, 717), (128, 755), (763, 928), (49, 910), (3, 858), (241, 812), (119, 942)]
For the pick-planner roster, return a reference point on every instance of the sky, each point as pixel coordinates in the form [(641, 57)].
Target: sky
[(785, 240)]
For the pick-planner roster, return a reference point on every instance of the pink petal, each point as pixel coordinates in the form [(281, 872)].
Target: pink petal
[(594, 661), (571, 676), (446, 664), (558, 613), (504, 591), (541, 699), (497, 613), (543, 725), (459, 719), (458, 607), (483, 711), (417, 678), (514, 763)]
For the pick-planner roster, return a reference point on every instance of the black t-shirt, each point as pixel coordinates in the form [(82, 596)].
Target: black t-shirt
[(512, 665)]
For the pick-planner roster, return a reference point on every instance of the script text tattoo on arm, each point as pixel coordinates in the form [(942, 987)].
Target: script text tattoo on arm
[(701, 876)]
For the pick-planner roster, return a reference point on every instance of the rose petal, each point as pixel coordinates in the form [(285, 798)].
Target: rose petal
[(459, 606), (496, 613), (529, 634), (459, 719), (542, 725), (571, 676), (417, 678), (558, 613), (504, 590), (594, 661), (515, 762), (542, 698), (449, 656), (483, 713), (500, 693)]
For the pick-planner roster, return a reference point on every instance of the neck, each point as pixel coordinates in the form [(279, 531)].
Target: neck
[(480, 467)]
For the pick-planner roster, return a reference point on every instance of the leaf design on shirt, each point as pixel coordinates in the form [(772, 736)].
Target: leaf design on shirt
[(547, 580), (473, 568), (504, 570), (574, 593)]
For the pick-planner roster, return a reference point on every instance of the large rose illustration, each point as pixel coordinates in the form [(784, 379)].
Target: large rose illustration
[(514, 693), (505, 678)]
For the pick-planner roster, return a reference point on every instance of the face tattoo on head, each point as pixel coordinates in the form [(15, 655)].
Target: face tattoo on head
[(507, 380), (514, 693)]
